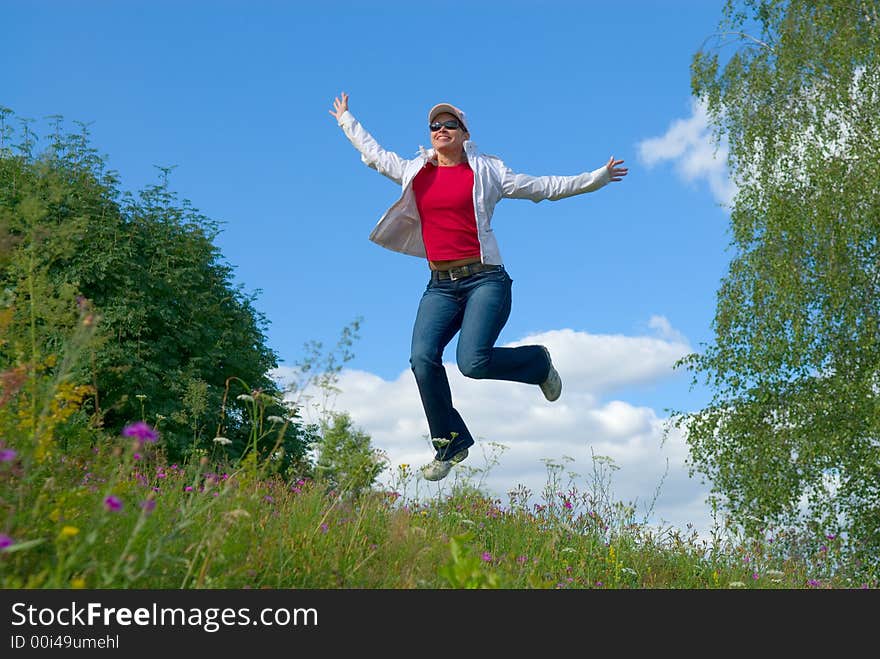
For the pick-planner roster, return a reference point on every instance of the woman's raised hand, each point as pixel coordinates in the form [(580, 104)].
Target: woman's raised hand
[(340, 105), (617, 173)]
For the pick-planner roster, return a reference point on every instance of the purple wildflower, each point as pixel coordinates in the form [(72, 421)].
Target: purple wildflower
[(113, 504), (5, 541), (814, 583), (487, 557), (7, 455), (142, 431)]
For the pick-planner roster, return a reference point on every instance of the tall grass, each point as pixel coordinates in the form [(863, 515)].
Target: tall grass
[(112, 512)]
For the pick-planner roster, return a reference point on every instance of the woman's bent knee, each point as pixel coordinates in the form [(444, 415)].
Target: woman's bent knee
[(478, 369)]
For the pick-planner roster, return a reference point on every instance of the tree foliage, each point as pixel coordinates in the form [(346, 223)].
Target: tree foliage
[(791, 433), (177, 342), (346, 460)]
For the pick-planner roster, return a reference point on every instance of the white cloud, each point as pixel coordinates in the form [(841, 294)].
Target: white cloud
[(584, 422), (688, 144)]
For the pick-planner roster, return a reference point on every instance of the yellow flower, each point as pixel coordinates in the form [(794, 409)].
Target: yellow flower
[(68, 532), (78, 583)]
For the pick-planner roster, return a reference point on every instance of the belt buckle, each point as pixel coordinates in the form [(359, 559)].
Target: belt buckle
[(454, 277)]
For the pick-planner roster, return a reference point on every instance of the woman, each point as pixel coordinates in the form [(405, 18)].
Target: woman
[(444, 215)]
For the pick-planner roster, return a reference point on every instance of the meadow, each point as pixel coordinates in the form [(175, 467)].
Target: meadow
[(115, 513)]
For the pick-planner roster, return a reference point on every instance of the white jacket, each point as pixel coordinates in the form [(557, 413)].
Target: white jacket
[(399, 229)]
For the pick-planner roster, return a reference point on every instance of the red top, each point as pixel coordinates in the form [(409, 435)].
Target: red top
[(445, 199)]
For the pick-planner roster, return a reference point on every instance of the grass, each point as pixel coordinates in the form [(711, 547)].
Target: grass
[(117, 515)]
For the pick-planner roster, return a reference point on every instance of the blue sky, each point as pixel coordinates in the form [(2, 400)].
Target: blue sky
[(618, 283)]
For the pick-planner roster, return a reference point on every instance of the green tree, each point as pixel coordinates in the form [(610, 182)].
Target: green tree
[(177, 340), (346, 461), (792, 433)]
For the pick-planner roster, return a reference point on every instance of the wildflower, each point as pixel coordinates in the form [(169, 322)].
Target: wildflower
[(148, 506), (188, 488), (7, 454), (246, 397), (68, 531), (487, 557), (77, 583), (141, 431), (5, 541), (113, 504), (223, 441), (324, 528), (141, 396), (521, 559), (813, 583)]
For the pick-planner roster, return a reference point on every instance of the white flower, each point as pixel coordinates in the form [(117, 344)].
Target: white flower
[(222, 441), (275, 419), (246, 397)]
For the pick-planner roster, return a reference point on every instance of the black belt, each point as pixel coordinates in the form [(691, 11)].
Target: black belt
[(462, 271)]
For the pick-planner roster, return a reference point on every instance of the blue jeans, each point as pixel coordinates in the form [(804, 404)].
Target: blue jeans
[(478, 307)]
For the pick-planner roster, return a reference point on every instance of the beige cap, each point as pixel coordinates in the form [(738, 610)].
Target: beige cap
[(451, 109)]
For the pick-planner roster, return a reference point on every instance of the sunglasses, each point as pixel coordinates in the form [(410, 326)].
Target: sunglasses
[(451, 124)]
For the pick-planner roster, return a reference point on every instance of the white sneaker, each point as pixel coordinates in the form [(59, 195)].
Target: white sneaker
[(552, 386), (437, 470)]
